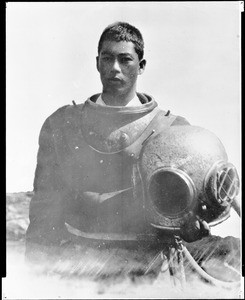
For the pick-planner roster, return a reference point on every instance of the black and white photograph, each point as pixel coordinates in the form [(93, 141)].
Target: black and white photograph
[(123, 150)]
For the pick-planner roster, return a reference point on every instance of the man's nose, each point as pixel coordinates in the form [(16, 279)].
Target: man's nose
[(116, 66)]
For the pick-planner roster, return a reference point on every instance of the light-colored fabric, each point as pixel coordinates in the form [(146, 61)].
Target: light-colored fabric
[(134, 102)]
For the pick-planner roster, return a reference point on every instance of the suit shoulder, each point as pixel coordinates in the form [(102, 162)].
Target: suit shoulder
[(59, 113), (63, 113), (177, 120), (180, 121)]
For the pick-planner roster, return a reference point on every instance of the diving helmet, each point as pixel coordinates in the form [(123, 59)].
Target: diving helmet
[(185, 171)]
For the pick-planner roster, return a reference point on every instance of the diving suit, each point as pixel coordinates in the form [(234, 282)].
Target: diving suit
[(88, 187)]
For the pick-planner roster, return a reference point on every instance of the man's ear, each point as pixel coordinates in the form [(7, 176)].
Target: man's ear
[(97, 63), (142, 65)]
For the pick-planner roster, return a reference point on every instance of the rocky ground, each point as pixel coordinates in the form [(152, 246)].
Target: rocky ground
[(222, 260)]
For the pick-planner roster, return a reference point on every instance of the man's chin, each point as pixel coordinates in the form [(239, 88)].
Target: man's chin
[(116, 90)]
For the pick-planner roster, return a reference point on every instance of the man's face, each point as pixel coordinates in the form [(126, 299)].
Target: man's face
[(119, 67)]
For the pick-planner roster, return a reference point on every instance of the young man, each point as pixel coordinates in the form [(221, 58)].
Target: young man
[(87, 187)]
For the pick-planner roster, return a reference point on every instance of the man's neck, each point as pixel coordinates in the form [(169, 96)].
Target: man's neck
[(117, 100)]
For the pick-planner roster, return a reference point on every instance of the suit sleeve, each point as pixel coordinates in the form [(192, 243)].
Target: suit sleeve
[(46, 207)]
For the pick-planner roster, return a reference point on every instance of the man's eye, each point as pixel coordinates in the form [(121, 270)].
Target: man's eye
[(106, 58), (125, 59)]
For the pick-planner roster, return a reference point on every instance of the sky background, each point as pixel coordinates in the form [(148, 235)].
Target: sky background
[(193, 67)]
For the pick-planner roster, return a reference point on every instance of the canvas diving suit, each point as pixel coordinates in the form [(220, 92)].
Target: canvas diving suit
[(88, 188), (86, 179)]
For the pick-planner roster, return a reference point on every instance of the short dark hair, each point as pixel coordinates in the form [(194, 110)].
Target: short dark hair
[(122, 31)]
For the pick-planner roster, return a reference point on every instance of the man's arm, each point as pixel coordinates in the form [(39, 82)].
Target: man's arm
[(46, 207)]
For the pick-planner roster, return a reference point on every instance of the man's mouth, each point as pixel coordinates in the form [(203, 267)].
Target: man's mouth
[(115, 79)]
